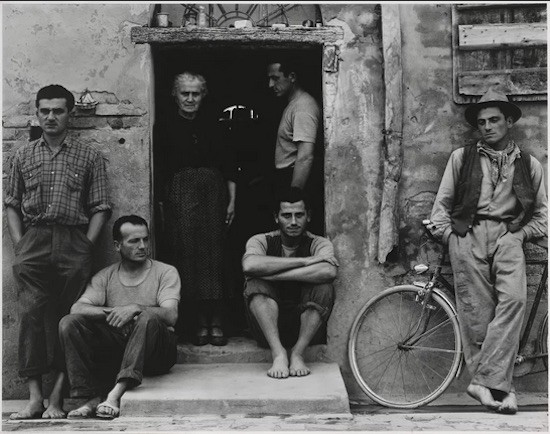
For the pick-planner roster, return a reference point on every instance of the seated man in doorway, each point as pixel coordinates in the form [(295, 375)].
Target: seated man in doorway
[(129, 308), (491, 200), (288, 290)]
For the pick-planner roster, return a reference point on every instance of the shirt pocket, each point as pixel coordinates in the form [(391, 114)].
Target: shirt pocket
[(75, 178), (32, 175)]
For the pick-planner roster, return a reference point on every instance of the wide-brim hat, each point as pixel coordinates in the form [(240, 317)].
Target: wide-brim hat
[(492, 98)]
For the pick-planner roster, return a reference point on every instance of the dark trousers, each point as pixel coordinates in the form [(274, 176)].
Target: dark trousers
[(292, 298), (52, 264), (145, 347)]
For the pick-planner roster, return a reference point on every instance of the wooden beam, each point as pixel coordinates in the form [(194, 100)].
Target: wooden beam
[(490, 36), (473, 6), (182, 35), (511, 81), (388, 237)]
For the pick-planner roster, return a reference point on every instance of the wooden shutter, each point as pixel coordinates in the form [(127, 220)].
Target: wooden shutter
[(499, 45)]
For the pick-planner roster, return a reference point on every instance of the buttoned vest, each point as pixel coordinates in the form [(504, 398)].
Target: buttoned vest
[(468, 191)]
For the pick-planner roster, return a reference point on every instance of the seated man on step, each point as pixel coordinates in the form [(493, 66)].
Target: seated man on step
[(288, 290), (128, 309)]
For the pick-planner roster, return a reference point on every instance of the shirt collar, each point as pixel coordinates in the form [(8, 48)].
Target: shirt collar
[(67, 142)]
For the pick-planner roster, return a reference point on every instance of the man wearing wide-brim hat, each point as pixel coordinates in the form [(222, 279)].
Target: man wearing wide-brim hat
[(490, 201)]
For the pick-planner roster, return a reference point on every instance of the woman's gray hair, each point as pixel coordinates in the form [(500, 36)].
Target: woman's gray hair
[(186, 77)]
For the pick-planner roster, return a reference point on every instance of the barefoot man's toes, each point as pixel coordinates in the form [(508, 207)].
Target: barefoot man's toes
[(483, 395), (298, 367), (33, 410), (509, 404), (279, 369), (54, 411)]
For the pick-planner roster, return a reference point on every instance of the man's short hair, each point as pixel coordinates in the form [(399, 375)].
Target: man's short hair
[(291, 195), (288, 65), (133, 219), (186, 77), (55, 91)]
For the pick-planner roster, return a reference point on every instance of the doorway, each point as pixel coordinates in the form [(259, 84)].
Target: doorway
[(248, 115)]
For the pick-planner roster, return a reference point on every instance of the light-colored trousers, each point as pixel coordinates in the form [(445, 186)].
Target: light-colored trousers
[(491, 291)]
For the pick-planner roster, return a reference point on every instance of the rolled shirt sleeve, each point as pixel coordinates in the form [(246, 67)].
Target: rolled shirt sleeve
[(98, 194), (15, 186)]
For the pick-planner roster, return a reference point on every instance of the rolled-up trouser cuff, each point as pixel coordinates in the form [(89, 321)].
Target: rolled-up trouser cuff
[(128, 374)]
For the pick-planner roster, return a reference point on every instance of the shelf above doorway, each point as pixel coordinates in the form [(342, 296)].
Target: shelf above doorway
[(266, 37)]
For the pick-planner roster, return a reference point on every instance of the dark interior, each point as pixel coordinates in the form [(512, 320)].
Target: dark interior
[(238, 76)]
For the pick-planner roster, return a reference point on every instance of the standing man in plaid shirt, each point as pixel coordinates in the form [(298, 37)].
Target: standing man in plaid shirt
[(56, 204)]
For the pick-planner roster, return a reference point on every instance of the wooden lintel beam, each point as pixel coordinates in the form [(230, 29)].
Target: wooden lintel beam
[(179, 35)]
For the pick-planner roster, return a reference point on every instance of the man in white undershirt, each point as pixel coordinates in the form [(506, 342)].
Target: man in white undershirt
[(129, 309)]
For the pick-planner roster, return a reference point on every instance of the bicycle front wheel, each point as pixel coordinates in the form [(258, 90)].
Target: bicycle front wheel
[(402, 355)]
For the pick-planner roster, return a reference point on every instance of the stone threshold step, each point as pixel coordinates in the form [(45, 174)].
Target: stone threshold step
[(237, 388), (239, 350)]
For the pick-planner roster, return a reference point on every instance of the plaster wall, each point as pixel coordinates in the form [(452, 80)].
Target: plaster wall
[(79, 46)]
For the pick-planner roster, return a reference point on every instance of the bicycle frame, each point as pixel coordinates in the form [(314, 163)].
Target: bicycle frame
[(437, 279), (426, 293), (532, 315)]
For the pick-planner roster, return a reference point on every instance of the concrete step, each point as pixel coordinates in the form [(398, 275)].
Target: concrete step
[(239, 350), (237, 388)]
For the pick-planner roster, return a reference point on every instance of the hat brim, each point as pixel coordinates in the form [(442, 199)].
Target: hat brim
[(471, 112)]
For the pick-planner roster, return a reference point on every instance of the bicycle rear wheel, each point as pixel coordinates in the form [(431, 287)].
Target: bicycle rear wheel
[(410, 375), (543, 340)]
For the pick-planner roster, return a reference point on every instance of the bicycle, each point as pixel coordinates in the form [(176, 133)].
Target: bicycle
[(405, 346)]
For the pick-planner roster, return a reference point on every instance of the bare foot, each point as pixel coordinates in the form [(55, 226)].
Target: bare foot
[(86, 410), (483, 395), (33, 410), (54, 411), (298, 367), (509, 404), (279, 369)]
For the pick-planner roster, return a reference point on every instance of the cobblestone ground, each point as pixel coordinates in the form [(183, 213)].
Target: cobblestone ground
[(365, 418)]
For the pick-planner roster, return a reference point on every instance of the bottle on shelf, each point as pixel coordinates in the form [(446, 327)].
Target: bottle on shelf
[(202, 17)]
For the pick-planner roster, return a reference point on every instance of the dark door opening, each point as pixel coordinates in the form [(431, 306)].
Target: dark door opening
[(237, 77)]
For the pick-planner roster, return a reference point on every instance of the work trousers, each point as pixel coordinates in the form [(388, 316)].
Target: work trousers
[(52, 263), (491, 291), (147, 347)]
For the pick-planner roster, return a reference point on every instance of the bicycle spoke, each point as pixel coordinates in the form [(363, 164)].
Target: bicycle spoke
[(373, 353), (416, 347), (387, 365), (428, 366), (433, 329), (397, 375), (419, 370)]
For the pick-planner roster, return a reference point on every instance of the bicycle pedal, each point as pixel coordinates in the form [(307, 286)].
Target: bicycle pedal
[(420, 284), (431, 306)]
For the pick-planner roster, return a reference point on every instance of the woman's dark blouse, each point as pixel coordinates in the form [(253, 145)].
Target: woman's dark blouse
[(191, 143)]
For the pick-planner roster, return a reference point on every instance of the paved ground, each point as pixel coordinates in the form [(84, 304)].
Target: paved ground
[(531, 418)]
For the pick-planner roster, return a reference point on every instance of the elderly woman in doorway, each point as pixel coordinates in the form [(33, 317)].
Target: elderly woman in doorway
[(199, 206)]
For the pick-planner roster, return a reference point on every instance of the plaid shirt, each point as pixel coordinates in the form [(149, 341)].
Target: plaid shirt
[(66, 187)]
